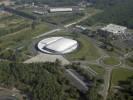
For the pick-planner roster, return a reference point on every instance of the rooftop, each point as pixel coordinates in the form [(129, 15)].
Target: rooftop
[(57, 45), (60, 9), (113, 28)]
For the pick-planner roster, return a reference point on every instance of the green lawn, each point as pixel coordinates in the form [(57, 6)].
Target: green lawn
[(111, 61), (86, 50), (120, 74)]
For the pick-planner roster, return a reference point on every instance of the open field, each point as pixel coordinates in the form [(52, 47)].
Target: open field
[(98, 69), (86, 50), (63, 18), (119, 75), (111, 61), (12, 23), (22, 40)]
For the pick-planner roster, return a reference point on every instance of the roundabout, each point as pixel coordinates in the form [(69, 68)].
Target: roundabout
[(110, 61)]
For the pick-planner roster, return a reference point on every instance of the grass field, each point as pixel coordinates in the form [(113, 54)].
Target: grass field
[(24, 35), (86, 50), (120, 74), (111, 61), (22, 39), (63, 18), (12, 23), (98, 69)]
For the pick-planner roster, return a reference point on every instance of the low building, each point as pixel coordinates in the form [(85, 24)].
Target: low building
[(81, 27), (60, 10), (65, 9), (113, 30)]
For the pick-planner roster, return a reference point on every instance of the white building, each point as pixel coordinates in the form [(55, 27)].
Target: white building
[(114, 29), (81, 27), (60, 10), (57, 45)]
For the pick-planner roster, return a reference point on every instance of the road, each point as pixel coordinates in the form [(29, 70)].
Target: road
[(107, 78)]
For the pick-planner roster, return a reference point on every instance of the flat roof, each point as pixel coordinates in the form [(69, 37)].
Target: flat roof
[(60, 9), (59, 45), (113, 28)]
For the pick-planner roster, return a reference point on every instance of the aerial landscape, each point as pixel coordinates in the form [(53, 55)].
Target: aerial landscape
[(66, 49)]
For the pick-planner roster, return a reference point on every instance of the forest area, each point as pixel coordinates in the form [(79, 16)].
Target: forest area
[(42, 81), (51, 2), (115, 11)]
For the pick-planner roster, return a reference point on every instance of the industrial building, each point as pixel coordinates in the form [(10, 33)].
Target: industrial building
[(113, 30), (57, 45), (65, 9)]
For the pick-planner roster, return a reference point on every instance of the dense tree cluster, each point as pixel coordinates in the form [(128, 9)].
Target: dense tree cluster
[(20, 13), (38, 81), (115, 11), (44, 81), (50, 2)]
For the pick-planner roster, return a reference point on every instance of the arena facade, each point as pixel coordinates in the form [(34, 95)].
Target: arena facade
[(57, 45)]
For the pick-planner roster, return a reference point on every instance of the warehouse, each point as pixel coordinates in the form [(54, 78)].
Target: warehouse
[(60, 10), (57, 45)]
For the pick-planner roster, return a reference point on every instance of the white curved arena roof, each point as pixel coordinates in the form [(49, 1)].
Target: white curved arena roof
[(57, 45)]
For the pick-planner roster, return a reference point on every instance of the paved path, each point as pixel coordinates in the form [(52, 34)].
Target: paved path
[(47, 33), (107, 78)]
